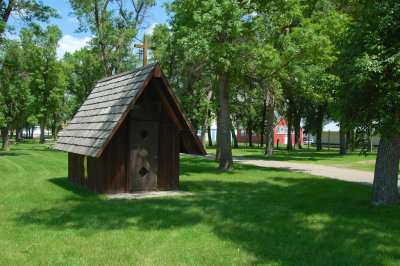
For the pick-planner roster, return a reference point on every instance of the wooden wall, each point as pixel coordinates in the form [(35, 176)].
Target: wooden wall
[(169, 143), (109, 173), (106, 174), (168, 154)]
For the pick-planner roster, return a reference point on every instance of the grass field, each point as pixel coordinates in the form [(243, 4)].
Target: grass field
[(352, 160), (251, 216)]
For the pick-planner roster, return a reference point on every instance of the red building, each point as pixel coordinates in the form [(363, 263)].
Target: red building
[(280, 133)]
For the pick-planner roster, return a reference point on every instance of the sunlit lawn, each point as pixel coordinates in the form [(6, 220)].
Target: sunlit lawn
[(352, 160), (251, 216)]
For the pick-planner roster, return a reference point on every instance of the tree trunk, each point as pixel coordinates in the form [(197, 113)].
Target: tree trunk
[(319, 125), (250, 131), (384, 189), (348, 140), (204, 125), (352, 143), (297, 140), (342, 139), (370, 136), (225, 162), (55, 119), (264, 111), (99, 18), (17, 134), (6, 14), (203, 133), (4, 135), (209, 136), (289, 145), (269, 143), (218, 148), (319, 138), (235, 141), (42, 131)]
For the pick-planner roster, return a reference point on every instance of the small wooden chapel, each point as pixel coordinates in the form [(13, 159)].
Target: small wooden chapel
[(128, 134)]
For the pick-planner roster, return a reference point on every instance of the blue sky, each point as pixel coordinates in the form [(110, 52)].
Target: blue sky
[(72, 41)]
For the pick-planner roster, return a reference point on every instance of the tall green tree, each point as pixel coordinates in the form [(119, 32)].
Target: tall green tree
[(25, 10), (83, 69), (321, 86), (189, 74), (47, 83), (370, 68), (219, 30), (291, 34), (14, 93), (114, 24)]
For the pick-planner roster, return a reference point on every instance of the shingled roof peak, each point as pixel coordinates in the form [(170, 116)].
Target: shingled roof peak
[(105, 109), (130, 72), (102, 111)]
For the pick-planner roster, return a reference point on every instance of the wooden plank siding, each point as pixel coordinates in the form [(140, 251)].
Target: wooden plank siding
[(110, 173), (106, 174), (168, 169)]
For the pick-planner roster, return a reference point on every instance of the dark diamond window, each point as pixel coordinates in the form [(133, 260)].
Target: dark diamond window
[(143, 171), (143, 134)]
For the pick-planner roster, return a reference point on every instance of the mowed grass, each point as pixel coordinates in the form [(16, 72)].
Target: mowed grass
[(251, 216), (352, 160)]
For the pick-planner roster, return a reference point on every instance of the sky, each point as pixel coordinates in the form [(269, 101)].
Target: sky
[(72, 40)]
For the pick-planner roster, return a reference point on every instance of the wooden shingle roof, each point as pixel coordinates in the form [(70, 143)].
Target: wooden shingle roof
[(108, 104), (100, 113)]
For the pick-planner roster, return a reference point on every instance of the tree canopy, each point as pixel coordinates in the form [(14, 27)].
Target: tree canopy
[(114, 25), (370, 95), (25, 10)]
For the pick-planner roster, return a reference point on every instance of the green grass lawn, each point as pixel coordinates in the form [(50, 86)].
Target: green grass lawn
[(352, 160), (252, 216)]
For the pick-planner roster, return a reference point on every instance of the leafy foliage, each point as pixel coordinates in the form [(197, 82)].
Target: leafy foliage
[(84, 69), (114, 24), (47, 83), (370, 67), (14, 93), (25, 10)]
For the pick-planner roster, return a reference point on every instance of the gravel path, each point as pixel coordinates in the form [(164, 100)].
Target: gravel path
[(350, 175)]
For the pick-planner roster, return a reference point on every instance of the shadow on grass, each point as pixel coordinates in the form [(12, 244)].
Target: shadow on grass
[(11, 153), (79, 191), (281, 220)]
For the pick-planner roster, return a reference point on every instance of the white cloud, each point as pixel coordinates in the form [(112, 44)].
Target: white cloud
[(10, 36), (18, 14), (150, 28), (72, 20), (70, 44)]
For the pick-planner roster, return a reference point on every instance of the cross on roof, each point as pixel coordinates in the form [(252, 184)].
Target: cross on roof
[(145, 47)]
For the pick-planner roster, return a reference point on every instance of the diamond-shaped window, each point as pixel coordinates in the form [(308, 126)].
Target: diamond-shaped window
[(143, 171), (143, 134)]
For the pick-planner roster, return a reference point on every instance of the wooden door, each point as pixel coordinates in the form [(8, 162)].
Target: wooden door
[(143, 155)]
